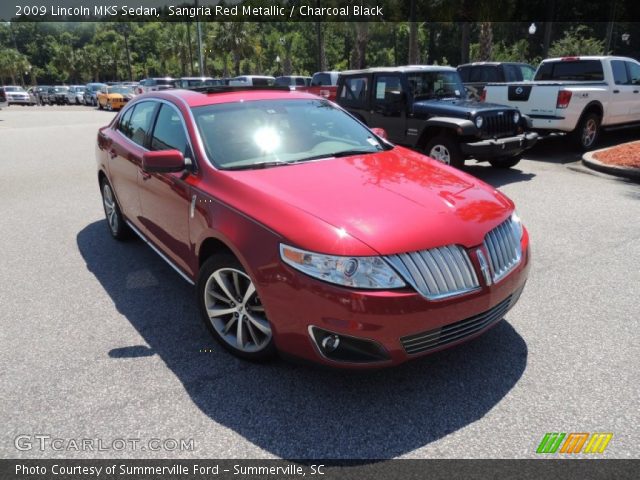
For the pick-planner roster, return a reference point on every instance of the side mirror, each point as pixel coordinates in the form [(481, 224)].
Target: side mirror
[(380, 132), (163, 161)]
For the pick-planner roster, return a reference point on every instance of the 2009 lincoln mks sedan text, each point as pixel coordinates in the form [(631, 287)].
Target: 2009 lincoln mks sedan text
[(304, 231)]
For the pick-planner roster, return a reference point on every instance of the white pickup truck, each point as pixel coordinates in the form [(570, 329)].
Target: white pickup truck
[(577, 95)]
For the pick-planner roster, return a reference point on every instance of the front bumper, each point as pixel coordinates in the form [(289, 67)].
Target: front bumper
[(19, 100), (500, 147), (297, 304)]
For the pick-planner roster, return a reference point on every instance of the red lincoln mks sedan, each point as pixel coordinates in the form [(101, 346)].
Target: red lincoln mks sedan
[(304, 231)]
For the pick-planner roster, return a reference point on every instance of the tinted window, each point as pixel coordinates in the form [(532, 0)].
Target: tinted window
[(485, 73), (124, 125), (426, 85), (634, 72), (140, 122), (619, 72), (168, 134), (527, 72), (240, 135), (571, 70), (355, 89), (283, 81), (320, 79), (464, 73), (300, 81), (262, 81), (387, 88)]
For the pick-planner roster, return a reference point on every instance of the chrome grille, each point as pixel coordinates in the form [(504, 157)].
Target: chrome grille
[(438, 272), (439, 337), (504, 249), (499, 125)]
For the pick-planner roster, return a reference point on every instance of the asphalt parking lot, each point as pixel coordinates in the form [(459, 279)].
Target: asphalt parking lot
[(101, 340)]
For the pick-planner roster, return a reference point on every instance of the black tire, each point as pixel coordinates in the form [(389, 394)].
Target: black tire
[(587, 133), (505, 162), (225, 265), (99, 106), (445, 149), (116, 224)]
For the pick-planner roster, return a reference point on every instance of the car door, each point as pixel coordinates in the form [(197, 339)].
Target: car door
[(125, 157), (633, 69), (389, 106), (354, 97), (165, 198), (622, 95)]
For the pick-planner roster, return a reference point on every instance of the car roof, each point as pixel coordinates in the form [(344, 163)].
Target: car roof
[(473, 64), (197, 99), (402, 69)]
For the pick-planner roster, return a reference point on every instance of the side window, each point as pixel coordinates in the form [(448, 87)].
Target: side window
[(619, 72), (168, 134), (300, 81), (388, 89), (124, 125), (140, 122), (634, 73), (355, 89)]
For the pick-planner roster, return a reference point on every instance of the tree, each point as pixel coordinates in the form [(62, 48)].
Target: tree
[(577, 41), (486, 41)]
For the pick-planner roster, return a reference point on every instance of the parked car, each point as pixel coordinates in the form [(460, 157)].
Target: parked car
[(75, 94), (249, 80), (114, 98), (323, 84), (16, 95), (57, 95), (190, 82), (155, 84), (293, 81), (91, 93), (306, 232), (577, 95), (425, 108), (41, 93), (3, 99), (476, 75)]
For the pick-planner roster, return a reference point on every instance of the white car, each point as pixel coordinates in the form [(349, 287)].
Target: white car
[(75, 95), (154, 84), (17, 95), (248, 80), (577, 95)]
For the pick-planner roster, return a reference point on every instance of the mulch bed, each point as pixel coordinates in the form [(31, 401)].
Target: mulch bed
[(627, 155)]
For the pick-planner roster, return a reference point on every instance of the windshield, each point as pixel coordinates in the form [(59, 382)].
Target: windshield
[(120, 90), (263, 133), (13, 89), (427, 85)]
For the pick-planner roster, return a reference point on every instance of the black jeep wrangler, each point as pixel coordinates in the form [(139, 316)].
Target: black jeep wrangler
[(425, 108)]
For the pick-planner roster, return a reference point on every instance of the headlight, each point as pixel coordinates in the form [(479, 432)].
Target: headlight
[(479, 121), (517, 224), (516, 117), (358, 272)]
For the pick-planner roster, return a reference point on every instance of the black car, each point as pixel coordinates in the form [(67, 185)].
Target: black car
[(425, 108), (475, 76), (57, 95)]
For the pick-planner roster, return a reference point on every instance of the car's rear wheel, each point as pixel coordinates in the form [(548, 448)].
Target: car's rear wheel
[(115, 221), (231, 309), (587, 132), (445, 149), (505, 162), (99, 105)]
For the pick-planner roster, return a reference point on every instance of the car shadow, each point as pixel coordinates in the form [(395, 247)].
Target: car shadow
[(497, 177), (291, 410)]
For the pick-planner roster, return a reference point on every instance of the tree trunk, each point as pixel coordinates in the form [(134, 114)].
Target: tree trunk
[(464, 42), (322, 56), (359, 58), (413, 34), (486, 41), (431, 49)]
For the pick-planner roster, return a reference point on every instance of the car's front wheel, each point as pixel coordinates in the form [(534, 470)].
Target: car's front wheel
[(231, 309), (115, 221), (445, 149)]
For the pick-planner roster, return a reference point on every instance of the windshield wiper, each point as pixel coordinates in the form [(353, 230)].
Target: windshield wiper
[(343, 153), (257, 166)]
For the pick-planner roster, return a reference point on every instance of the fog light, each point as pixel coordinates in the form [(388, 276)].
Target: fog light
[(330, 343)]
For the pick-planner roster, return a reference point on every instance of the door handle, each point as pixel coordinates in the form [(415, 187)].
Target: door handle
[(635, 91), (112, 153), (616, 91)]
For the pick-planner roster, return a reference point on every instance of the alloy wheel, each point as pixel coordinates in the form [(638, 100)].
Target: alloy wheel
[(235, 311), (110, 208), (440, 153), (589, 132)]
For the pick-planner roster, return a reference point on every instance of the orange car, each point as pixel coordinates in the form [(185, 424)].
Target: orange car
[(115, 97)]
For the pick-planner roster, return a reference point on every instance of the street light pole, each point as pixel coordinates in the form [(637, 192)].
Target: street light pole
[(200, 57)]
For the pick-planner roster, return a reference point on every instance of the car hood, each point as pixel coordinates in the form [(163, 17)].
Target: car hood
[(395, 201), (455, 107)]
